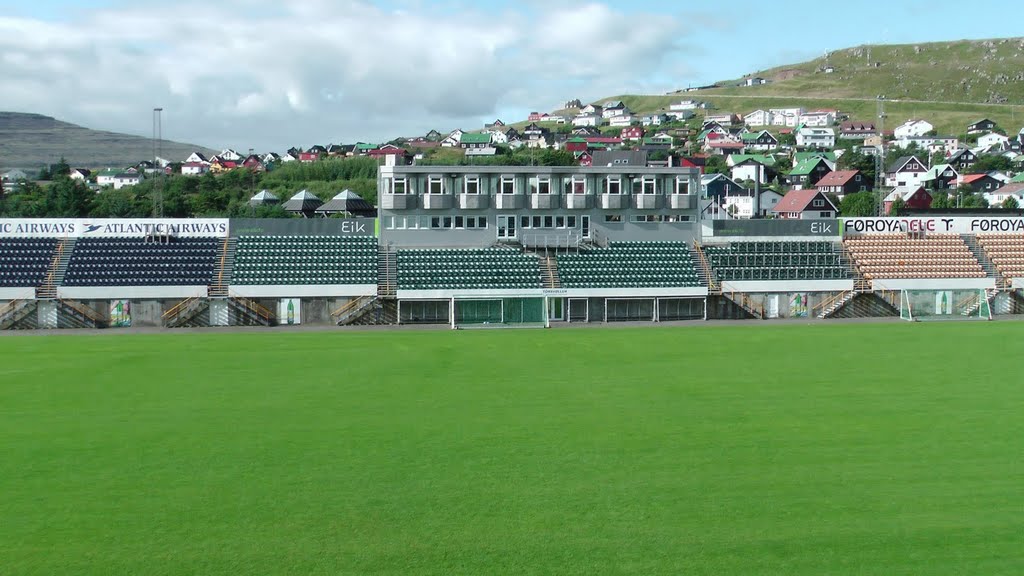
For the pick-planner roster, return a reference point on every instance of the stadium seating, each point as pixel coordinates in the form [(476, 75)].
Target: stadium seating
[(897, 256), (467, 269), (24, 262), (629, 265), (138, 262), (790, 260), (304, 260), (1006, 251)]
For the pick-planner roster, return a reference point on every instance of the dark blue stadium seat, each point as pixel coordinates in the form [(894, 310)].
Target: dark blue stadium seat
[(25, 262), (137, 262)]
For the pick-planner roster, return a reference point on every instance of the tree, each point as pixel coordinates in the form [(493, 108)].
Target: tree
[(1011, 203), (940, 200), (989, 162), (858, 204), (69, 199), (716, 165), (857, 161), (898, 207)]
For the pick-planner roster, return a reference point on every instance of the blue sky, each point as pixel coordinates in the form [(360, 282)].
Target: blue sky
[(272, 74)]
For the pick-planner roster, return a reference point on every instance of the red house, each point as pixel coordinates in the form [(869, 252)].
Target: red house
[(576, 145), (387, 150), (308, 156), (536, 117), (916, 198), (632, 133), (584, 159)]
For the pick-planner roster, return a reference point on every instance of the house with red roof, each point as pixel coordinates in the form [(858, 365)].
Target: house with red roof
[(843, 182), (983, 183), (632, 133), (810, 204), (914, 198)]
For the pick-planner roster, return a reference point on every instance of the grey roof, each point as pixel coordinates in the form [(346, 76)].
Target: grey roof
[(264, 197), (350, 202), (303, 201), (899, 163), (619, 158)]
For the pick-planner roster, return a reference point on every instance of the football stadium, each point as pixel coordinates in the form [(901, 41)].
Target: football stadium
[(649, 442), (502, 246)]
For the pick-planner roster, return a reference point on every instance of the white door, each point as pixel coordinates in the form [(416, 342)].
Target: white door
[(773, 305)]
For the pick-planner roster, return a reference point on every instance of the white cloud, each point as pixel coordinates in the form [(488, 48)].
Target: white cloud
[(272, 75)]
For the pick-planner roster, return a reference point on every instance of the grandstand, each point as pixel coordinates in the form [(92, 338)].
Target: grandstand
[(782, 260), (503, 246), (903, 256), (24, 262), (1006, 251)]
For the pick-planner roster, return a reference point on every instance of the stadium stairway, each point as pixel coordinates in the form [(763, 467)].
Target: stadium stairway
[(707, 275), (829, 307), (219, 288), (187, 314), (246, 312), (58, 267), (972, 309), (387, 272), (866, 305), (979, 253), (19, 315), (72, 314), (549, 266)]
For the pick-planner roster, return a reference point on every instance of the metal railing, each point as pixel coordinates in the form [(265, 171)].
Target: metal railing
[(255, 308), (179, 307), (831, 304), (709, 275), (83, 310), (351, 306)]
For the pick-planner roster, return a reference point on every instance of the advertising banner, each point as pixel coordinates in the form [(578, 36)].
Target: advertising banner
[(798, 305), (304, 227), (936, 224), (112, 227), (777, 227), (290, 311), (120, 314)]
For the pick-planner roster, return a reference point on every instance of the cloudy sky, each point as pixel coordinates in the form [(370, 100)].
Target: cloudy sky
[(274, 74)]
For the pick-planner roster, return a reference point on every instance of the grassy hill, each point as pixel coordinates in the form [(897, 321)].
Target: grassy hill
[(30, 141), (948, 83)]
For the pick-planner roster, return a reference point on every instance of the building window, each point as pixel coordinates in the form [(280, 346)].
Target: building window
[(825, 214), (481, 221), (614, 186), (613, 217), (549, 222), (435, 185), (460, 222), (435, 222), (645, 185), (508, 185), (540, 185), (537, 222), (571, 221), (472, 185), (398, 186), (818, 203), (400, 222), (682, 185), (575, 185), (447, 222), (389, 223)]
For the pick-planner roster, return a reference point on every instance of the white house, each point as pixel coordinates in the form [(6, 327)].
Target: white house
[(197, 157), (592, 109), (124, 179), (453, 139), (758, 118), (587, 120), (229, 155), (680, 115), (194, 168), (497, 136), (788, 117), (684, 105), (614, 108), (816, 138), (621, 121), (945, 144), (743, 206), (993, 140), (80, 174), (654, 119), (817, 118), (912, 128)]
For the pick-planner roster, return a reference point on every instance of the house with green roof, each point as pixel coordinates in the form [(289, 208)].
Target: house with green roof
[(826, 154), (807, 173), (475, 140), (754, 167), (763, 140)]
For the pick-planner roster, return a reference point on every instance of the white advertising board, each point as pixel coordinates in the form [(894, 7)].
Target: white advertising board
[(935, 224), (112, 227)]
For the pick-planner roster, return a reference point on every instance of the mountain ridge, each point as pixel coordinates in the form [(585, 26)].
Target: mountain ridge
[(29, 141)]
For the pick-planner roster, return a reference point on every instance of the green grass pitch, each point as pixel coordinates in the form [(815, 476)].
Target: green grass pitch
[(790, 450)]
